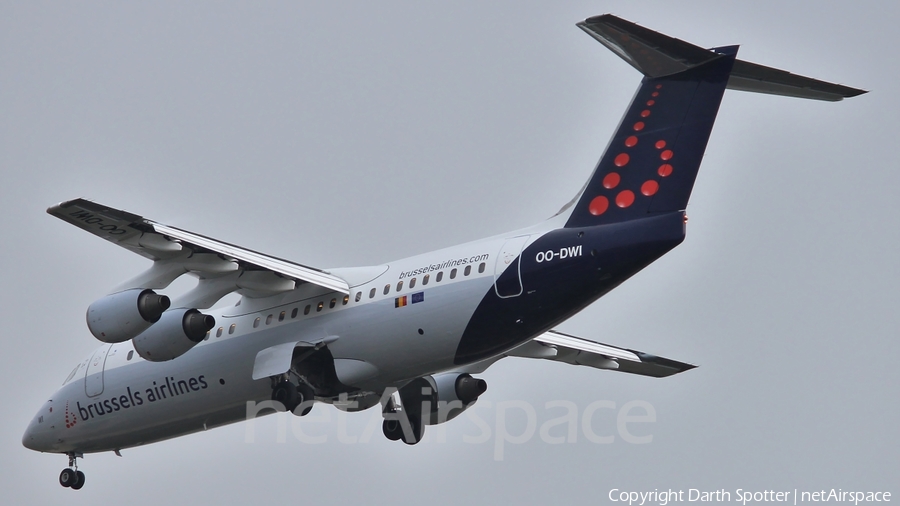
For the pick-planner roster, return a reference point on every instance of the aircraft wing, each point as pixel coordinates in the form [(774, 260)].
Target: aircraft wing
[(553, 345), (163, 243)]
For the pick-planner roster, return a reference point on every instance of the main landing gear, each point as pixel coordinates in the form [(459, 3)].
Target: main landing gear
[(292, 396), (71, 477), (399, 424)]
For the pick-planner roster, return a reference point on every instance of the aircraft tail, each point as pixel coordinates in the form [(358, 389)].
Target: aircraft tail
[(652, 160)]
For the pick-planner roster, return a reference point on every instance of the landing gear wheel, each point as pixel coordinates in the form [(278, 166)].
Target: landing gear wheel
[(305, 394), (392, 429), (68, 477), (417, 431), (79, 482), (286, 393)]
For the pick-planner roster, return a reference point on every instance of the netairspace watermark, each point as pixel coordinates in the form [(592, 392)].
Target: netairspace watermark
[(558, 422), (744, 497)]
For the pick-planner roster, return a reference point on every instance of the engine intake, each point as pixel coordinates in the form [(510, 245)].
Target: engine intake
[(121, 316), (177, 331)]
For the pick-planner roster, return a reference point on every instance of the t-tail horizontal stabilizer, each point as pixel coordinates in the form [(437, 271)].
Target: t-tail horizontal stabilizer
[(657, 55)]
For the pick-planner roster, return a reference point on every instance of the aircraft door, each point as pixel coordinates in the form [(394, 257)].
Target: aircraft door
[(508, 261), (93, 377)]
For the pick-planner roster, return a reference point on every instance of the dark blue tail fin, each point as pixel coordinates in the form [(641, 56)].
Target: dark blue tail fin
[(652, 161)]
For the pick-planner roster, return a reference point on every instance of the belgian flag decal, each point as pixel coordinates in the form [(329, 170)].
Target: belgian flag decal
[(413, 299)]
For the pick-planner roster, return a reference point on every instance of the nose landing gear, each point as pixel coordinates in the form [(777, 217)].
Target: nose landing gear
[(71, 477)]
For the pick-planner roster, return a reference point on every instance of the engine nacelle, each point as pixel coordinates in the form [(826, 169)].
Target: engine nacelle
[(121, 316), (176, 332), (444, 396)]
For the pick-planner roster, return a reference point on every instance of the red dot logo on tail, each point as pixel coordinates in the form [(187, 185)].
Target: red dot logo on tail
[(611, 180), (599, 205), (625, 198), (649, 188)]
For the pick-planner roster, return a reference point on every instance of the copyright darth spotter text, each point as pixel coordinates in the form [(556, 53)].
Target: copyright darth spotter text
[(745, 497)]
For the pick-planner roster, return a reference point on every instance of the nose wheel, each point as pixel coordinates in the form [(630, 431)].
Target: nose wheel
[(71, 477)]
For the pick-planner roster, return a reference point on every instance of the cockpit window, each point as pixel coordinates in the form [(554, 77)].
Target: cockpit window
[(72, 374)]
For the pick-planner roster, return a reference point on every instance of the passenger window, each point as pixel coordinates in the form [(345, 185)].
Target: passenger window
[(387, 289), (399, 285), (332, 303), (346, 300), (281, 317), (481, 268), (129, 357), (294, 312), (320, 306), (425, 279), (206, 338), (268, 319), (306, 309), (453, 274), (219, 332), (412, 283), (440, 276), (468, 270), (358, 296), (231, 328), (256, 322), (372, 293)]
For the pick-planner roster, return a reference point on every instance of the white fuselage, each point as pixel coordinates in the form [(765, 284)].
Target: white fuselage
[(114, 399)]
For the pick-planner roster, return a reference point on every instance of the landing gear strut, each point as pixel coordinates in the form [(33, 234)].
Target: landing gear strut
[(71, 477)]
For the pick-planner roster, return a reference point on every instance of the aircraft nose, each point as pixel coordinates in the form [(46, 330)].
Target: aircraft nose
[(28, 439), (39, 434)]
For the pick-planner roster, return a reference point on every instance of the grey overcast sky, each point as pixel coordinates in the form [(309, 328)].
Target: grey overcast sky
[(354, 133)]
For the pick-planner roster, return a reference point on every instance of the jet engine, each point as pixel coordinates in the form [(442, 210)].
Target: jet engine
[(444, 396), (121, 316), (176, 332)]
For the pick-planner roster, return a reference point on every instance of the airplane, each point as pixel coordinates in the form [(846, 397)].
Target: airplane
[(411, 335)]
